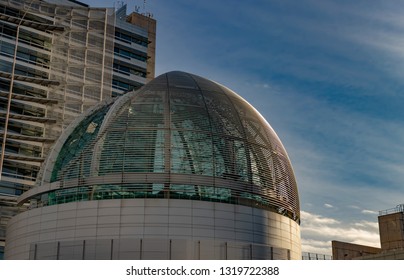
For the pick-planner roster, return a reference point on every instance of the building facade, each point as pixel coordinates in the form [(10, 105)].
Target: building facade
[(134, 51), (391, 231), (57, 59), (183, 168)]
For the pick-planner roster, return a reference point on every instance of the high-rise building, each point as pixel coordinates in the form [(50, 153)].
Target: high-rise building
[(183, 168), (134, 51), (57, 59)]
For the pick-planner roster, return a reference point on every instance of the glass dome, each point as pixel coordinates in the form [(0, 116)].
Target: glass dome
[(179, 137)]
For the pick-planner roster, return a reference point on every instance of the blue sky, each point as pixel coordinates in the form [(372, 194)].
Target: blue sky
[(327, 75)]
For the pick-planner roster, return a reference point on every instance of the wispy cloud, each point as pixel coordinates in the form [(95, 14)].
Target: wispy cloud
[(337, 152), (318, 232), (369, 212), (367, 224), (316, 246), (313, 219)]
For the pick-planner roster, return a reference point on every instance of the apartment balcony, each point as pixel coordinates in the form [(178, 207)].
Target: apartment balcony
[(130, 60), (27, 118), (21, 157), (35, 80), (28, 98), (18, 179), (39, 81), (129, 78), (130, 45), (38, 139), (32, 24)]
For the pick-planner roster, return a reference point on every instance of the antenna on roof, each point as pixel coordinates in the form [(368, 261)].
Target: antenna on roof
[(142, 9)]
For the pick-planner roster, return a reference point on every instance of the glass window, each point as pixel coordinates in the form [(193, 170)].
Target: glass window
[(230, 159), (7, 49), (6, 66), (191, 153), (78, 140), (8, 30), (131, 39), (1, 252)]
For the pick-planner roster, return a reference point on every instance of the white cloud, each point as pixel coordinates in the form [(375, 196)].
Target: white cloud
[(262, 85), (369, 212), (318, 232), (367, 224), (349, 168), (311, 219), (328, 205), (316, 246)]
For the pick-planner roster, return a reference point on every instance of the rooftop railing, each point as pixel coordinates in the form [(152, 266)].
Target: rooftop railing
[(399, 208)]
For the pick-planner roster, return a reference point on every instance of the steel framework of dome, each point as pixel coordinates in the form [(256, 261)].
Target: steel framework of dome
[(179, 137)]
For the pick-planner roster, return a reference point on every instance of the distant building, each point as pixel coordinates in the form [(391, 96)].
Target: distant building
[(391, 230), (349, 251), (183, 168), (57, 59)]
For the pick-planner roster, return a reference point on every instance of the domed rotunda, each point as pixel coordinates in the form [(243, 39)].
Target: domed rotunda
[(183, 168)]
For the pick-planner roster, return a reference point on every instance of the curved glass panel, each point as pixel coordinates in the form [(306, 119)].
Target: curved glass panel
[(180, 136), (82, 136)]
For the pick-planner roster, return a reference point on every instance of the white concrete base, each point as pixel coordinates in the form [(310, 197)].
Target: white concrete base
[(151, 229)]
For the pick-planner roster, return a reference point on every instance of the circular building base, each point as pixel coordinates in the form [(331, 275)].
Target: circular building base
[(152, 229)]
